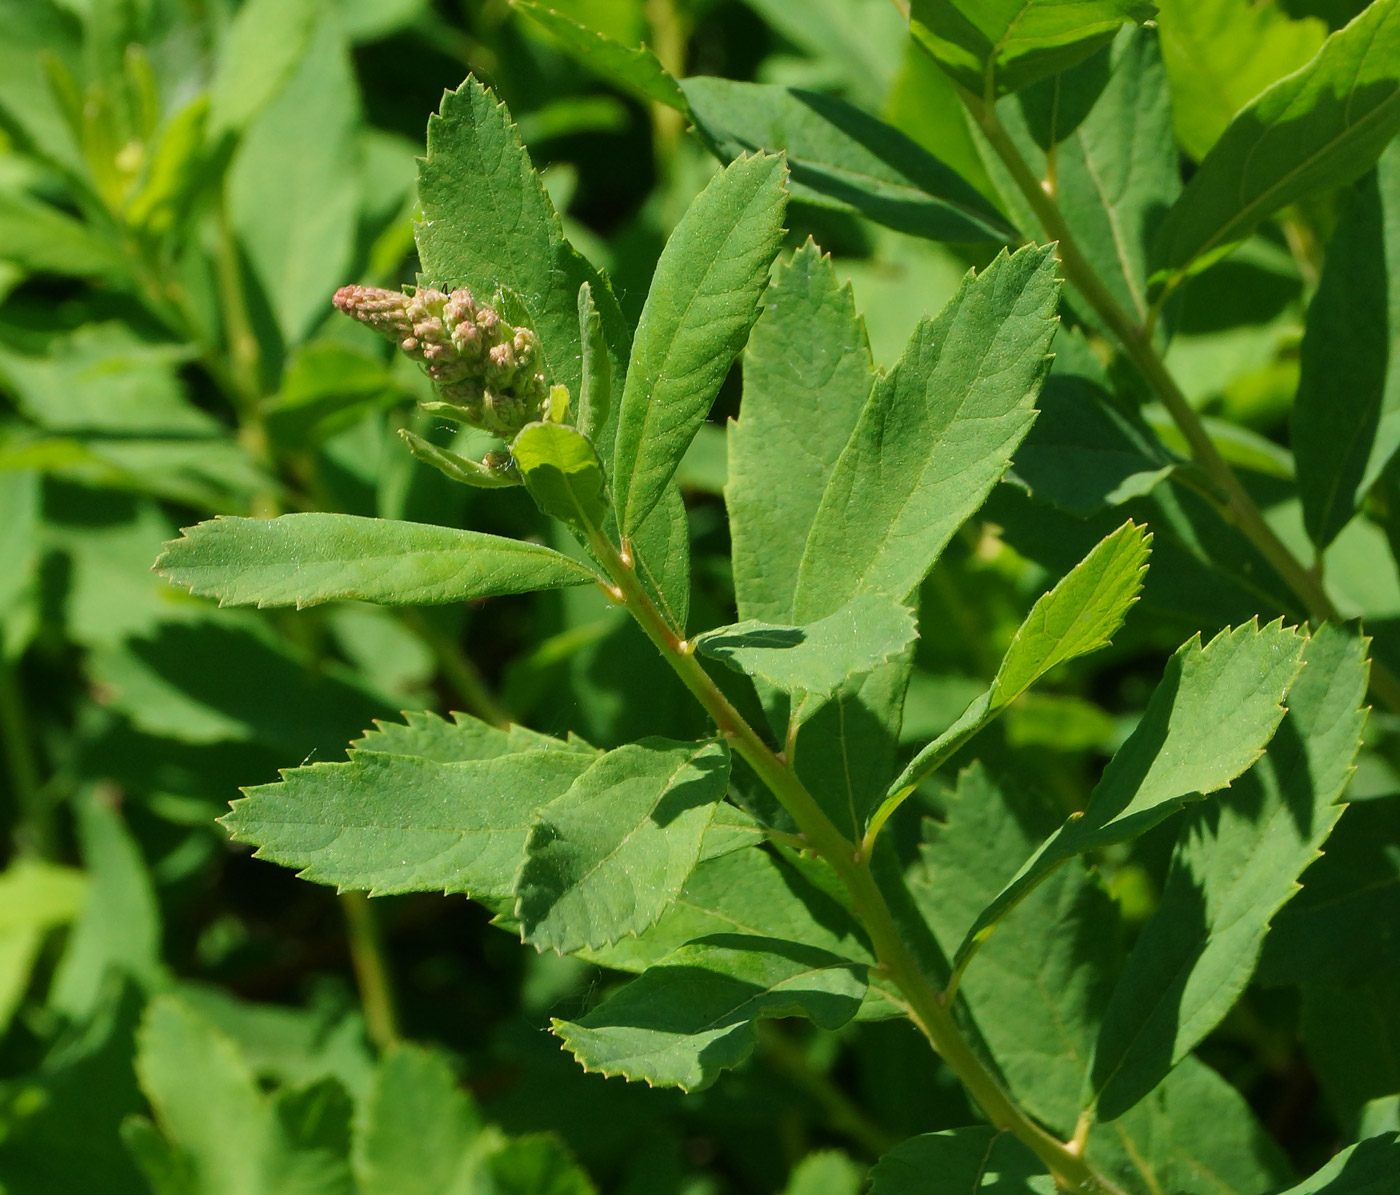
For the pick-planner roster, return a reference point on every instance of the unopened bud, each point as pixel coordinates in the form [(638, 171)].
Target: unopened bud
[(486, 370), (386, 311)]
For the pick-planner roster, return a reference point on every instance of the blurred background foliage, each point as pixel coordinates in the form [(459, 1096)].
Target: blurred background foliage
[(183, 184)]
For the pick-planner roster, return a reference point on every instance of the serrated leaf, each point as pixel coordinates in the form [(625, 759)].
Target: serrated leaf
[(1366, 1168), (807, 375), (703, 300), (426, 735), (1194, 1133), (1315, 130), (750, 892), (417, 1127), (936, 434), (818, 658), (488, 223), (1039, 985), (1219, 56), (1345, 424), (992, 47), (391, 823), (636, 69), (1209, 719), (961, 1162), (563, 474), (843, 159), (607, 857), (1078, 616), (304, 559), (1236, 864), (693, 1015)]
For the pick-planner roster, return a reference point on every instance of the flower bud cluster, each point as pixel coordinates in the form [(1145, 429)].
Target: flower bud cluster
[(485, 368)]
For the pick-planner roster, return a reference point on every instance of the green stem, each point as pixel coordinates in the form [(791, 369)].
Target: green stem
[(669, 35), (371, 969), (1233, 499), (926, 1006)]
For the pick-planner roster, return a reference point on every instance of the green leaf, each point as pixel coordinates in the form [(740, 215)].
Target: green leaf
[(1210, 718), (1115, 170), (992, 47), (41, 238), (206, 1100), (635, 69), (1347, 1033), (461, 469), (843, 159), (35, 898), (846, 747), (294, 185), (537, 1164), (1312, 131), (936, 434), (661, 549), (1236, 864), (1079, 615), (856, 45), (961, 1162), (487, 223), (750, 892), (303, 559), (118, 928), (31, 114), (327, 388), (607, 857), (693, 1015), (228, 1137), (816, 659), (1345, 425), (1366, 1168), (392, 823), (807, 375), (1220, 54), (1194, 1133), (1085, 452), (266, 40), (595, 379), (703, 300), (826, 1172), (563, 474), (1339, 926), (417, 1127), (1038, 987)]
